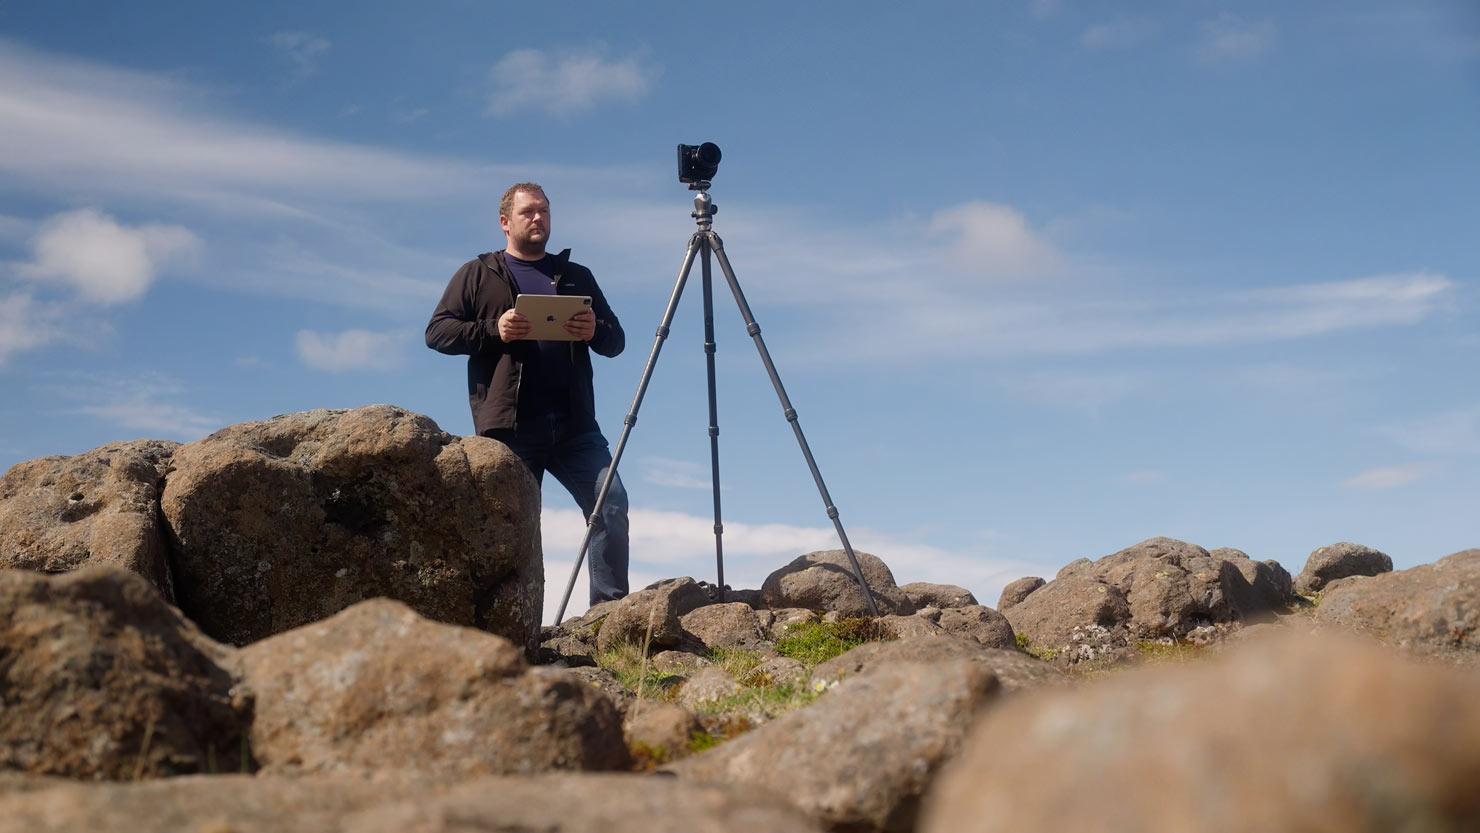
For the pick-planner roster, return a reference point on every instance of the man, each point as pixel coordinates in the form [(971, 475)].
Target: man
[(537, 396)]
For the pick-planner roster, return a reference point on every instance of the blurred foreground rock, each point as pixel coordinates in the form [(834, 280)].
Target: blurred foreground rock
[(1331, 734)]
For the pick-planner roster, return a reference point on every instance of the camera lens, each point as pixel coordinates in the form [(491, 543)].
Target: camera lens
[(698, 163)]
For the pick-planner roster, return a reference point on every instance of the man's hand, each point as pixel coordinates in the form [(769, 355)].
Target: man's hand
[(582, 325), (512, 326)]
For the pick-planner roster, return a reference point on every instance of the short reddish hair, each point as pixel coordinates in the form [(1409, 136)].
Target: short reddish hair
[(506, 204)]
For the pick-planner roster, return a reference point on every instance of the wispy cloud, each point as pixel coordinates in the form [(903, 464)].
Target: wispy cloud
[(1388, 477), (567, 82), (1120, 33), (1146, 477), (1229, 37), (350, 350), (1453, 431), (71, 124), (983, 324), (26, 324), (149, 403), (302, 49), (682, 474), (992, 239), (104, 261), (1086, 391)]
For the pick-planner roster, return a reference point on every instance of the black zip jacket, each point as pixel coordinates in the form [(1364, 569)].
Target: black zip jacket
[(465, 323)]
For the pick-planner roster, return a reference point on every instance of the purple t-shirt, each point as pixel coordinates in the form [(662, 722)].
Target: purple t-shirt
[(551, 366)]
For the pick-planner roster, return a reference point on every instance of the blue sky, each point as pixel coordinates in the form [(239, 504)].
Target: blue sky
[(1042, 279)]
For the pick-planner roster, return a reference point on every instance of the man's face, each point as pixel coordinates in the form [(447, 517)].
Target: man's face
[(527, 224)]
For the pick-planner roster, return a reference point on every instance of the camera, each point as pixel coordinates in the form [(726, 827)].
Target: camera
[(698, 163)]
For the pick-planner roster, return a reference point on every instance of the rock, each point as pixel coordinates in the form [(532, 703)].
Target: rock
[(99, 507), (913, 625), (1016, 591), (729, 625), (657, 609), (566, 650), (280, 523), (1047, 618), (445, 701), (861, 757), (706, 686), (776, 671), (1158, 589), (1433, 608), (925, 594), (1339, 561), (1015, 670), (1294, 734), (983, 624), (101, 679), (782, 620), (607, 683), (564, 803), (678, 662), (823, 581), (659, 733)]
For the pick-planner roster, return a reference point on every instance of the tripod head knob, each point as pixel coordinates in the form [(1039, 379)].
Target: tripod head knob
[(704, 207)]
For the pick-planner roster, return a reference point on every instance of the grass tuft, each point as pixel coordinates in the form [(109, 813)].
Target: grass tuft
[(817, 642)]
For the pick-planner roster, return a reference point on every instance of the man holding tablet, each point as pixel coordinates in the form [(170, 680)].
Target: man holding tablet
[(529, 366)]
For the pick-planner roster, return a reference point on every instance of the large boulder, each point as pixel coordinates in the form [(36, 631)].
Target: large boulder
[(101, 679), (99, 507), (863, 755), (1159, 589), (824, 582), (1432, 608), (280, 523), (378, 688), (563, 803), (1327, 564), (1295, 734)]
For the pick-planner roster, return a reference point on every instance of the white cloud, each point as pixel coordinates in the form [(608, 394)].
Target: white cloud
[(992, 239), (1388, 477), (106, 262), (26, 324), (1120, 33), (1229, 37), (302, 49), (350, 350), (566, 83)]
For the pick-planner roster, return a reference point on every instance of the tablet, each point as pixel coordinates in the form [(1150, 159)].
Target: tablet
[(547, 314)]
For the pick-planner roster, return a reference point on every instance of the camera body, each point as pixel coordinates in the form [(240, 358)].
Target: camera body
[(698, 163)]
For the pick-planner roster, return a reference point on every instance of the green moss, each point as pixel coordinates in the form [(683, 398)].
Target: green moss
[(1022, 641), (737, 661), (764, 700), (815, 642), (1043, 653)]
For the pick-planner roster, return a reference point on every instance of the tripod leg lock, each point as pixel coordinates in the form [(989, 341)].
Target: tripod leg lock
[(753, 329), (832, 513), (630, 419), (791, 414)]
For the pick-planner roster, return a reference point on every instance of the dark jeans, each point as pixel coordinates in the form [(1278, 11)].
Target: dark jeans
[(579, 460)]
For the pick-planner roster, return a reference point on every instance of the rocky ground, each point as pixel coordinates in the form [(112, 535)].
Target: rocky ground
[(327, 621)]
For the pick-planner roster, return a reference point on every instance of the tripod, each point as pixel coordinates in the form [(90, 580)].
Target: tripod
[(702, 244)]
